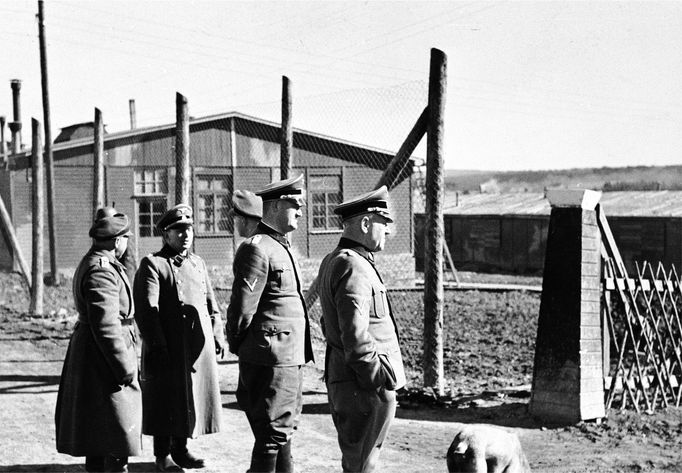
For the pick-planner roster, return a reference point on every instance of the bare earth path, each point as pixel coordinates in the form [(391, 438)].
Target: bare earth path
[(29, 377)]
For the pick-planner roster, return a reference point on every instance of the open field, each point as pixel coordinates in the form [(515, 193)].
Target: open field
[(489, 342)]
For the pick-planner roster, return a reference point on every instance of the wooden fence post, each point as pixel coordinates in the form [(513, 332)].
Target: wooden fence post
[(287, 133), (433, 261), (182, 174), (49, 161), (36, 307), (98, 152)]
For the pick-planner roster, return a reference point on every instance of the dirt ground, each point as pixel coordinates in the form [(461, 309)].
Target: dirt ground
[(32, 350)]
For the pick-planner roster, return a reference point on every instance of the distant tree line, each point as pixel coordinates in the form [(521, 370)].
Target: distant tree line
[(610, 186)]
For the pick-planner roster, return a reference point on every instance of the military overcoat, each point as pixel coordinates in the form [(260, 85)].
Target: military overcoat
[(97, 412), (267, 321), (176, 312)]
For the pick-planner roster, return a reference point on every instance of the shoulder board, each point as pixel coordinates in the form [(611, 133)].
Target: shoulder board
[(104, 262), (256, 239)]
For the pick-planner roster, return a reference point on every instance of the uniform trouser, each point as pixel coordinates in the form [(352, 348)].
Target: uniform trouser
[(272, 399), (362, 419)]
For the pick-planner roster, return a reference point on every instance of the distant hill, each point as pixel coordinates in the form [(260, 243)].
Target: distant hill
[(604, 178)]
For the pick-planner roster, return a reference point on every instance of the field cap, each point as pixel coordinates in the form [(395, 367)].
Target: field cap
[(247, 204), (372, 202), (290, 189), (107, 228), (103, 212), (180, 215)]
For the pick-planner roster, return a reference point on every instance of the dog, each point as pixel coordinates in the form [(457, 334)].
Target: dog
[(479, 448)]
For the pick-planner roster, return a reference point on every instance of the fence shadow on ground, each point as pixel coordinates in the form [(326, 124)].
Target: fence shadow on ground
[(27, 384), (511, 414), (133, 467)]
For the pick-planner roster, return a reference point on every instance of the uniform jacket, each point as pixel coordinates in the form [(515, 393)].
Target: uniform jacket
[(97, 412), (177, 314), (362, 337), (267, 320)]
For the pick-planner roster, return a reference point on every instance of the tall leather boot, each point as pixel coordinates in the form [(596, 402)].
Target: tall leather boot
[(263, 462), (94, 463), (114, 464), (181, 456), (285, 462)]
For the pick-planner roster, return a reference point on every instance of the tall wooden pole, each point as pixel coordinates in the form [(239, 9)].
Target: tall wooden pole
[(49, 161), (38, 185), (287, 133), (182, 174), (98, 163), (433, 274)]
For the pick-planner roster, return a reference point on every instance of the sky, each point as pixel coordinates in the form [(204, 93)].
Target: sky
[(530, 85)]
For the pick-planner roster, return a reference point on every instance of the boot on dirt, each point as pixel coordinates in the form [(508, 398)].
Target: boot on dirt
[(166, 464)]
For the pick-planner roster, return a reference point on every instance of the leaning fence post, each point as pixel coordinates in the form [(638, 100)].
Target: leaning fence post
[(287, 133), (38, 186), (433, 271), (182, 174)]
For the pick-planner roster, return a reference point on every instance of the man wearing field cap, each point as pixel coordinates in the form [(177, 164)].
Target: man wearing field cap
[(127, 259), (268, 328), (364, 366), (182, 332), (99, 407), (247, 212)]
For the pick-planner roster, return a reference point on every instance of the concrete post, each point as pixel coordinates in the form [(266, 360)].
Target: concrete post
[(568, 377)]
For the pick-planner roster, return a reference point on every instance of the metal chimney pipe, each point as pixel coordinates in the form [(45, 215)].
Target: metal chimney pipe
[(15, 126), (3, 150), (133, 114)]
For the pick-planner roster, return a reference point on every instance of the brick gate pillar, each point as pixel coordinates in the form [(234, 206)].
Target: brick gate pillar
[(568, 382)]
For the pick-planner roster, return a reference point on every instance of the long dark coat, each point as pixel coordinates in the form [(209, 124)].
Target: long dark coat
[(97, 414), (176, 311)]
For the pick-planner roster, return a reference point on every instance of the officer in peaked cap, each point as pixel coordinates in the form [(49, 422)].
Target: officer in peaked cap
[(101, 362), (268, 327), (178, 216), (364, 366), (290, 189), (247, 211), (182, 332), (375, 202)]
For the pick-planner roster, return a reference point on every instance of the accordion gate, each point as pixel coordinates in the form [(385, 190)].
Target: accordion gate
[(641, 331)]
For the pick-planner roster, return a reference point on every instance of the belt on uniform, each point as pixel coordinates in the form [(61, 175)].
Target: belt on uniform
[(126, 321)]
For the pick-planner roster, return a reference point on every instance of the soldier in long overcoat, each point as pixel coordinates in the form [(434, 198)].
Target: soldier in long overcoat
[(364, 366), (99, 407), (268, 328), (182, 331)]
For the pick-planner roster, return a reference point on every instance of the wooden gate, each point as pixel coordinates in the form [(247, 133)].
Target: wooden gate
[(642, 333)]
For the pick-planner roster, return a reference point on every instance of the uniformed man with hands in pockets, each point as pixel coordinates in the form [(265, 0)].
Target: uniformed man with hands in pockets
[(268, 327), (182, 332), (364, 366)]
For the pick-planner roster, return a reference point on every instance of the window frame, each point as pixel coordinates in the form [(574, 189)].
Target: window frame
[(155, 233), (217, 174), (163, 181), (335, 173)]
